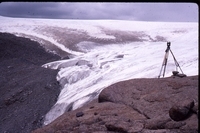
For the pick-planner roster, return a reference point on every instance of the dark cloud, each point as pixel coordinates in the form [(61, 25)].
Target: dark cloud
[(97, 10), (27, 9)]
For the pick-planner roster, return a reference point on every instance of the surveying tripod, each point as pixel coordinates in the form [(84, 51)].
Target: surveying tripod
[(164, 64)]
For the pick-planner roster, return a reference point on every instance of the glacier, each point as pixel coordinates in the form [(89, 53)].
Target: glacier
[(103, 52)]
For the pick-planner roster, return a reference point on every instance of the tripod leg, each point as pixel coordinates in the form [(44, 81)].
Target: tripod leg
[(164, 64), (160, 72), (166, 56), (176, 62), (164, 68)]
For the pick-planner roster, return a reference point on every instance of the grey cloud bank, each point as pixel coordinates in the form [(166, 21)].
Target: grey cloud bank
[(169, 12)]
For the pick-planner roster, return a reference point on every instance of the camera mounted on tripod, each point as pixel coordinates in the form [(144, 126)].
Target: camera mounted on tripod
[(168, 46)]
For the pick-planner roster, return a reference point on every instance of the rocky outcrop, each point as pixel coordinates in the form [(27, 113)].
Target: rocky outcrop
[(136, 106), (27, 90)]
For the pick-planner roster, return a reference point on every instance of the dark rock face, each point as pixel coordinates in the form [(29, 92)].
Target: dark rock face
[(24, 49), (135, 106), (27, 90), (182, 110)]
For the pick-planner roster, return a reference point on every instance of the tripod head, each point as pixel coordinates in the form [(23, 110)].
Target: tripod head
[(168, 46)]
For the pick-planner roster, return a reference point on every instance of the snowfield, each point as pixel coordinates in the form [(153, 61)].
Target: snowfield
[(103, 52)]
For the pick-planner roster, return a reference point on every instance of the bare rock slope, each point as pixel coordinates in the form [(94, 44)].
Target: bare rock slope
[(27, 90), (165, 105)]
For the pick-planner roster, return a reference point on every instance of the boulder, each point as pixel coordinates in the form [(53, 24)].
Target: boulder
[(182, 110)]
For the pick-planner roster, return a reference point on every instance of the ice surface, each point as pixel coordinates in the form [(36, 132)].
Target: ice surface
[(96, 66)]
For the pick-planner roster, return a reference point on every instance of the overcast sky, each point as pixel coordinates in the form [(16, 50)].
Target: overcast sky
[(170, 12)]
